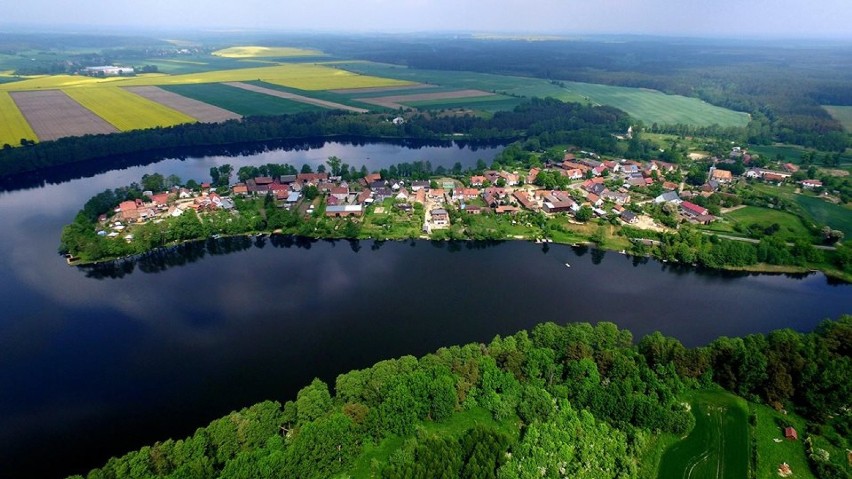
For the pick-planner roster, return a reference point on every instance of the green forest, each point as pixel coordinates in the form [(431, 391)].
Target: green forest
[(575, 400)]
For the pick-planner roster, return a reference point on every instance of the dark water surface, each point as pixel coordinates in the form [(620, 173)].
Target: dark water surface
[(96, 362)]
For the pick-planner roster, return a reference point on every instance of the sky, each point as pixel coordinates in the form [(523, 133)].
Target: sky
[(730, 18)]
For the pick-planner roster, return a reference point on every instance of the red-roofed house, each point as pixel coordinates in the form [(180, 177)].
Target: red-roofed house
[(811, 183), (477, 180), (691, 209), (160, 199), (524, 200)]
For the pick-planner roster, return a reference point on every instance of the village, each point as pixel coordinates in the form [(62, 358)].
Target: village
[(648, 195)]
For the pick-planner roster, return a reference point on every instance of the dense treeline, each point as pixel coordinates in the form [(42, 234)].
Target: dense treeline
[(579, 124), (560, 401)]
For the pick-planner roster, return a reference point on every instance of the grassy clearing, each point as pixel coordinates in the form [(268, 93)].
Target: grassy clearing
[(770, 452), (242, 102), (718, 446), (791, 225), (125, 110), (843, 114), (650, 106), (836, 216), (266, 52), (13, 125), (649, 459)]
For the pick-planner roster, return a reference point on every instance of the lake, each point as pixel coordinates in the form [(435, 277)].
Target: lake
[(95, 362)]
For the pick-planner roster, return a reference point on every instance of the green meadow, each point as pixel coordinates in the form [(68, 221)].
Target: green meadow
[(718, 445), (243, 102)]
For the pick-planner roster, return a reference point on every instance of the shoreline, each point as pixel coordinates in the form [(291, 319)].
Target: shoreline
[(760, 268)]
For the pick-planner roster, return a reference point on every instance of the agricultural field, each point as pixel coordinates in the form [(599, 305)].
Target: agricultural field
[(773, 449), (13, 125), (55, 82), (763, 218), (843, 114), (837, 216), (125, 110), (650, 106), (718, 445), (201, 111), (396, 101), (266, 52), (793, 153), (242, 102), (489, 104), (329, 96), (52, 114), (295, 97)]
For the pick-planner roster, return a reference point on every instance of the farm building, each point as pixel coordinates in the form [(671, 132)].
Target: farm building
[(108, 71), (790, 433)]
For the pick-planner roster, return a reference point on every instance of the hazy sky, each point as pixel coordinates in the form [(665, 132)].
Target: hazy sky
[(793, 18)]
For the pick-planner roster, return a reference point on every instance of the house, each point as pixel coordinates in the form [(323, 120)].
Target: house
[(373, 177), (691, 209), (287, 179), (381, 194), (524, 200), (263, 180), (402, 194), (474, 210), (293, 197), (811, 183), (255, 188), (419, 185), (598, 170), (477, 180), (594, 199), (160, 199), (616, 197), (128, 210), (436, 194), (773, 177), (440, 217), (663, 166), (240, 189), (506, 209), (669, 186), (340, 211), (570, 165), (511, 179), (339, 192), (573, 173), (311, 178), (722, 176), (790, 433), (398, 120), (629, 217), (532, 175), (668, 197), (471, 193), (553, 205)]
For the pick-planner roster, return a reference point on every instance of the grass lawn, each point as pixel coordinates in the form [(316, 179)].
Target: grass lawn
[(771, 453), (718, 446), (649, 106), (843, 114), (791, 225), (243, 102), (836, 216)]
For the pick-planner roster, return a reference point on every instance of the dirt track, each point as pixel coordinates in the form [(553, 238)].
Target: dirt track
[(52, 114), (201, 111)]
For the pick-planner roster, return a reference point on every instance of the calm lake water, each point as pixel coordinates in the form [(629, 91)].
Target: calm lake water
[(97, 362)]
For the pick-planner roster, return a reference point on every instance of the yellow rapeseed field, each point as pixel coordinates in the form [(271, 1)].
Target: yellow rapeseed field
[(125, 110), (55, 82), (255, 51), (13, 125)]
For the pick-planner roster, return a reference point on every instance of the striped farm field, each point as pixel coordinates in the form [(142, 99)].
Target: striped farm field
[(240, 101), (52, 114), (266, 52), (125, 110), (55, 82), (13, 125), (201, 111)]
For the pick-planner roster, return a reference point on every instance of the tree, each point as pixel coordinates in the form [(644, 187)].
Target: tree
[(313, 401), (306, 168), (154, 182), (584, 214), (334, 163)]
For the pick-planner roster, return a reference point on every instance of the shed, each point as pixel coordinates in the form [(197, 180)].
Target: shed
[(790, 433)]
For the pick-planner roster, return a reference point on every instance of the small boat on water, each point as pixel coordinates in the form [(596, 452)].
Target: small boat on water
[(568, 265)]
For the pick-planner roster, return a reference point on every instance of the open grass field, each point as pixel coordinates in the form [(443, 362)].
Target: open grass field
[(793, 153), (52, 114), (649, 106), (843, 114), (201, 111), (125, 110), (718, 446), (836, 216), (266, 52), (239, 101), (791, 225), (13, 124), (770, 451), (295, 97)]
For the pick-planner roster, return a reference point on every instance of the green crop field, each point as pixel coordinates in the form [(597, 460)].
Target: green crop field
[(125, 110), (843, 114), (13, 126), (773, 449), (490, 103), (836, 216), (718, 446), (318, 94), (243, 102), (791, 225), (650, 106)]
